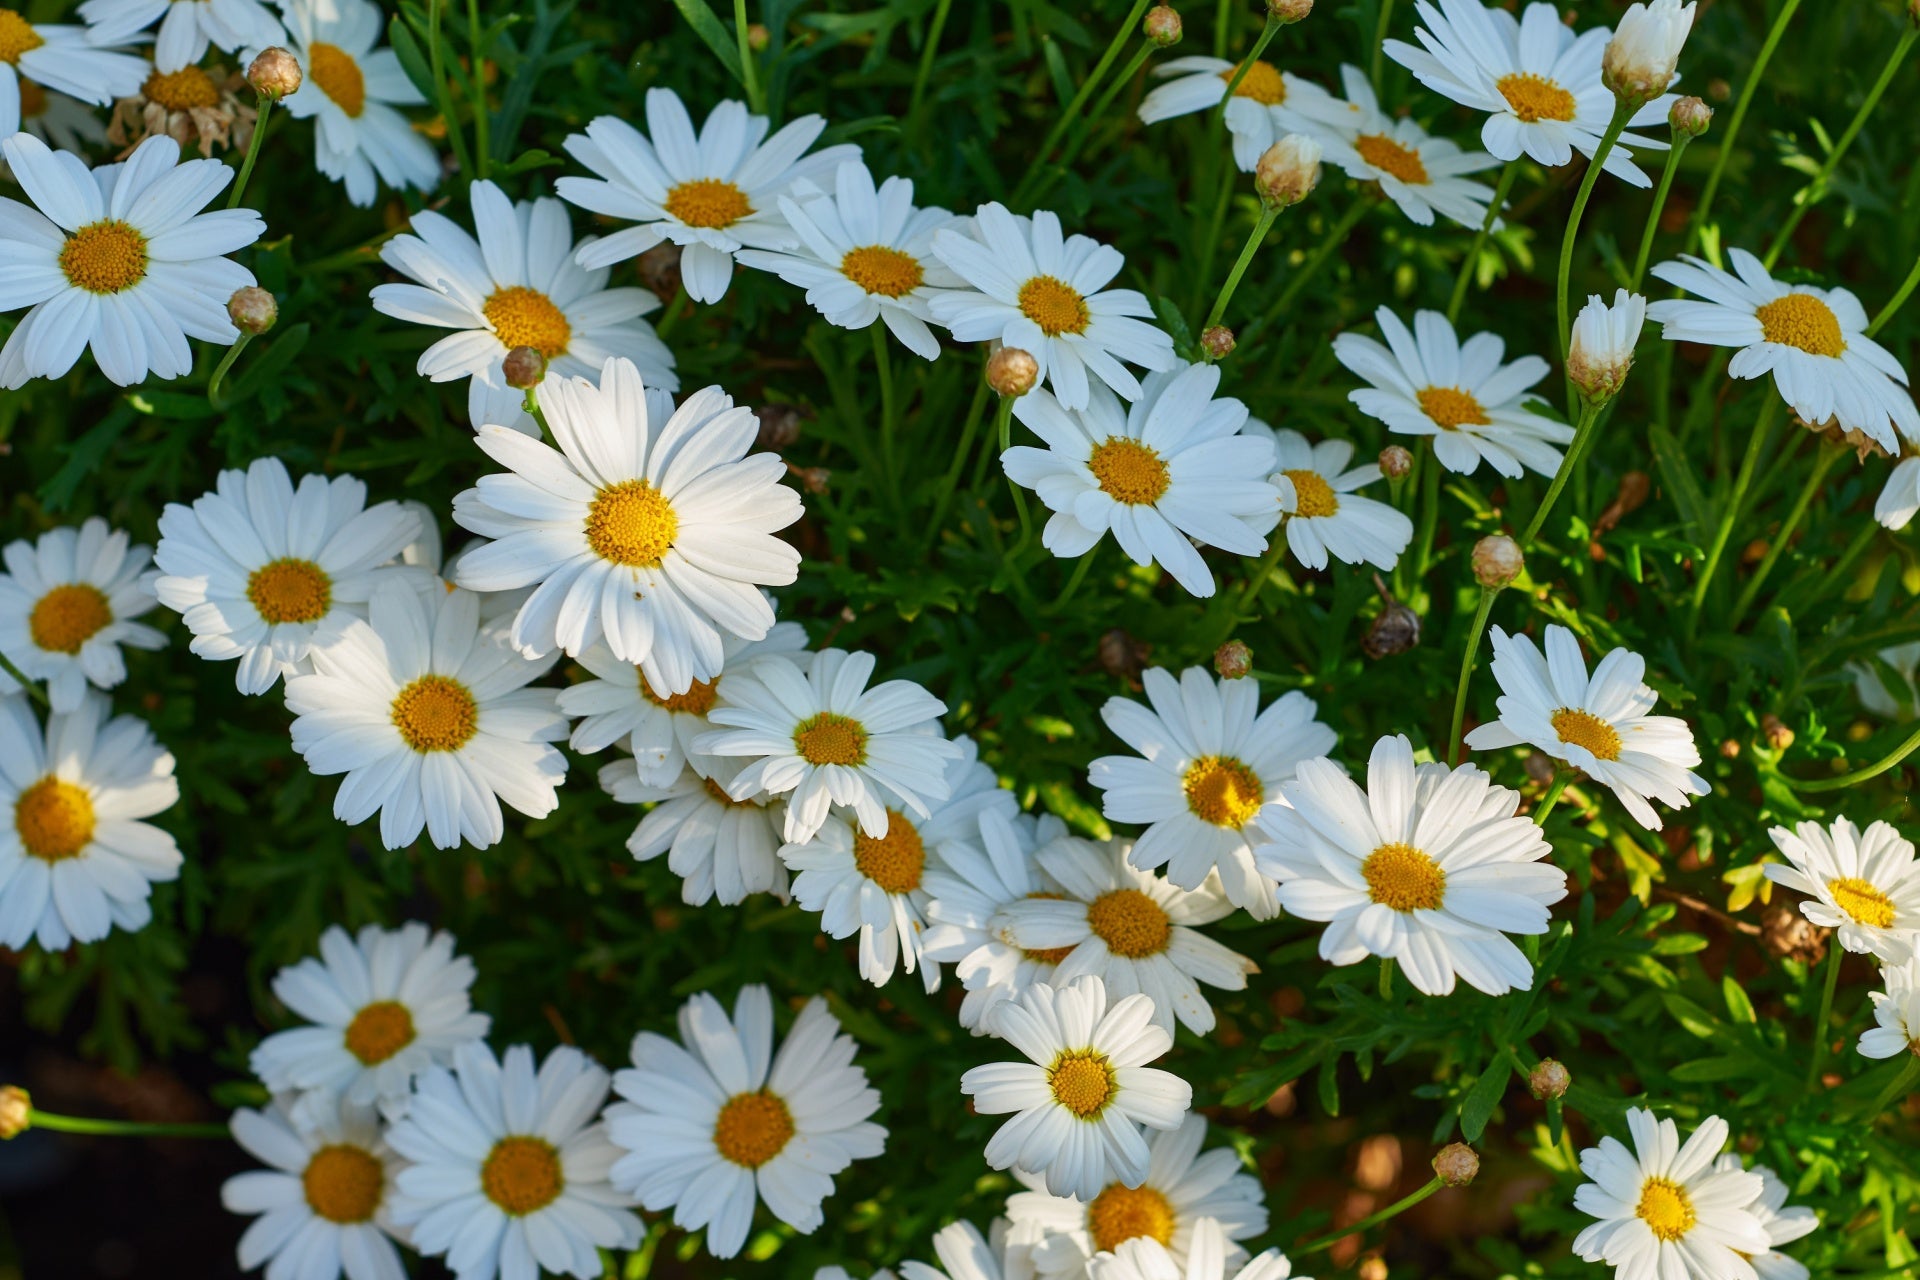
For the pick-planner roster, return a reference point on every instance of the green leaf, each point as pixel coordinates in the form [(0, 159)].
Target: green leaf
[(1485, 1095), (413, 59), (714, 33), (1678, 478), (1329, 1087), (1737, 1002), (1730, 1067)]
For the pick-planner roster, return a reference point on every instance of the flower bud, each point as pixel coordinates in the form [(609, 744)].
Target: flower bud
[(1456, 1165), (16, 1111), (252, 310), (1012, 372), (1549, 1080), (1217, 341), (1690, 116), (1288, 171), (1372, 1267), (1641, 58), (524, 367), (1497, 561), (1162, 26), (275, 74), (1233, 660), (1395, 462), (1600, 354), (1395, 630), (1289, 11), (1775, 731), (758, 37), (1730, 749)]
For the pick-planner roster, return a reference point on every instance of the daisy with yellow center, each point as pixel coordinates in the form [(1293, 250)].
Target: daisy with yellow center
[(71, 60), (1813, 341), (1427, 866), (721, 848), (1209, 761), (76, 861), (725, 1113), (67, 604), (508, 1164), (1783, 1223), (1192, 85), (350, 89), (1473, 404), (1208, 1255), (1896, 1013), (1319, 510), (964, 1254), (1599, 724), (188, 28), (1865, 885), (1668, 1209), (514, 285), (713, 193), (1083, 1097)]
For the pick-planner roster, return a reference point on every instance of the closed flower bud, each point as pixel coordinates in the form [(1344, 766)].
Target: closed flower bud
[(1395, 630), (1456, 1165), (1645, 50), (1372, 1268), (758, 37), (1012, 372), (1497, 561), (275, 74), (1218, 341), (1690, 116), (252, 310), (1162, 26), (1775, 731), (16, 1111), (1395, 462), (1232, 660), (1289, 10), (1601, 352), (524, 367), (1288, 171), (1549, 1080)]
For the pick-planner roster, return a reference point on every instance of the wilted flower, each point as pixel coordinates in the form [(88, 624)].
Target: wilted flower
[(1640, 59), (1600, 354), (1288, 171), (193, 107)]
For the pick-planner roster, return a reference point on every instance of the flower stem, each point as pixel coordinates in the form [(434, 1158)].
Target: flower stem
[(951, 480), (1898, 300), (1276, 547), (38, 1119), (1622, 112), (1386, 977), (1371, 1220), (883, 365), (1829, 454), (1858, 776), (1084, 129), (927, 52), (34, 691), (442, 89), (1755, 75), (1071, 112), (1898, 1087), (1003, 431), (1336, 236), (1267, 33), (1756, 443), (220, 370), (1260, 228), (1073, 583), (1834, 953), (1583, 434), (1680, 141), (749, 74), (1545, 807), (1380, 43), (1429, 511), (1487, 595), (1500, 191), (482, 147), (253, 151)]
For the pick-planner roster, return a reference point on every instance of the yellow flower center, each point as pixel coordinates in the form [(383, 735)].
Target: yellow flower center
[(1584, 729), (1130, 923), (1044, 955), (523, 317), (1223, 791), (882, 270), (753, 1128), (33, 99), (1802, 320), (1129, 471), (17, 36), (1312, 495), (379, 1031), (1665, 1209), (1083, 1082), (830, 739), (182, 90), (1388, 156), (107, 256), (290, 590), (1404, 878), (339, 77), (521, 1175), (1054, 305), (1862, 900), (895, 860), (343, 1183), (696, 701), (436, 713), (1263, 83), (708, 202), (631, 523), (1535, 98), (1119, 1214), (68, 616), (54, 819), (1451, 408)]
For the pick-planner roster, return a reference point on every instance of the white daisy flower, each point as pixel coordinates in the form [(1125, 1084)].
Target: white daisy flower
[(349, 89), (67, 604), (1318, 510), (1600, 348), (384, 1005), (865, 254), (653, 534), (430, 719), (1597, 724), (256, 567), (713, 193), (1539, 82), (508, 1168), (1639, 60), (1863, 884), (1901, 702), (1196, 84), (119, 259), (1813, 341), (1666, 1212), (1131, 928), (517, 285), (1896, 1013), (187, 27), (1184, 1191), (1085, 1092), (1045, 293), (62, 58), (322, 1202), (820, 737), (76, 862), (1782, 1222), (712, 1128), (1426, 382), (1161, 473), (1899, 500), (1426, 865), (967, 1255), (1209, 760), (1210, 1257), (1420, 173), (721, 848), (62, 122)]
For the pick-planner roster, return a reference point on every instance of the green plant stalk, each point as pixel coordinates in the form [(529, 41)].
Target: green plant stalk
[(749, 74), (1545, 807), (1003, 431), (1267, 33), (1622, 112), (1260, 228), (1820, 1032), (1898, 1088), (1680, 140), (220, 370), (1858, 776), (1222, 27), (927, 52), (1210, 241), (34, 691), (1429, 511), (443, 89), (1072, 111), (1500, 191), (948, 482), (38, 1119), (889, 414), (1754, 76), (1336, 236), (1583, 434), (253, 151), (1380, 43), (1756, 443), (1386, 977), (1276, 547), (1898, 300), (1829, 454), (482, 146), (1080, 568), (1371, 1220), (1487, 596), (1084, 127)]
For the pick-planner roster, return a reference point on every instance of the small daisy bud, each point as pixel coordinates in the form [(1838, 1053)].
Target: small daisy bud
[(1456, 1165), (1395, 462), (524, 367), (1289, 10), (1394, 631), (252, 310), (1497, 561), (758, 37), (1730, 749), (275, 74), (1549, 1080), (1218, 341), (1645, 50), (1372, 1268), (1162, 26), (1288, 171), (1775, 731), (779, 425), (1690, 117), (16, 1111), (1232, 660), (1600, 354), (1012, 372)]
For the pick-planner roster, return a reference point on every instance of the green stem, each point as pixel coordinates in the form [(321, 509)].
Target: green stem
[(1003, 431), (253, 151), (482, 145), (1680, 141), (1500, 191), (1260, 228), (1267, 33), (1370, 1221), (1210, 242), (1545, 807), (1429, 512), (531, 404), (1380, 43), (1080, 568), (1820, 1035), (1072, 110), (1583, 434), (1084, 128), (1754, 76), (38, 1119), (1386, 977), (749, 74), (1336, 236), (214, 398), (889, 460), (1487, 595), (1622, 112), (1276, 547), (34, 691), (1900, 1085), (1222, 27), (1756, 444), (1898, 300), (442, 89), (1829, 454), (949, 481), (1858, 776), (927, 52)]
